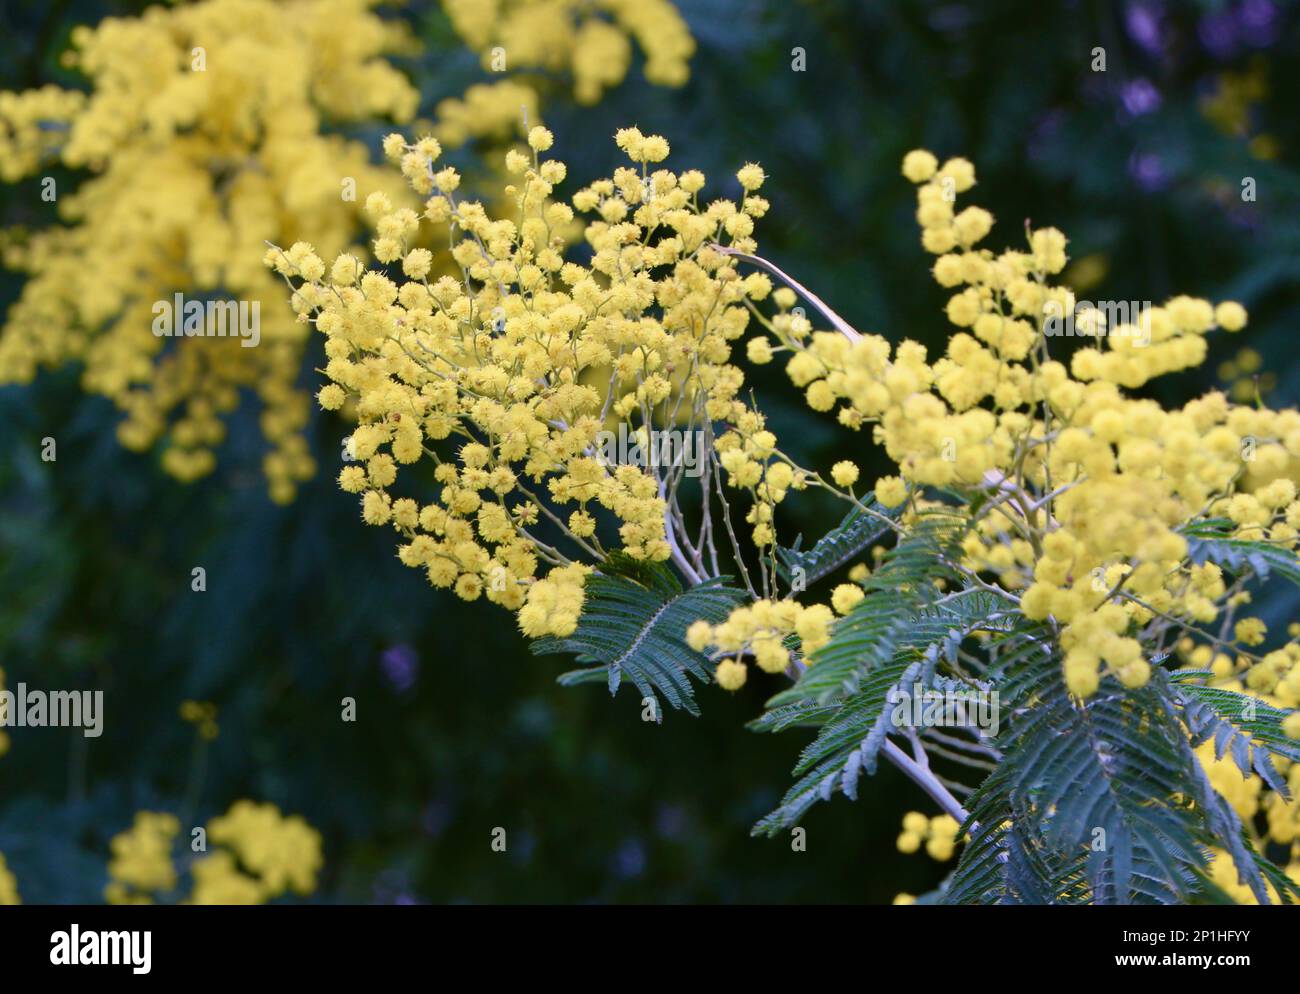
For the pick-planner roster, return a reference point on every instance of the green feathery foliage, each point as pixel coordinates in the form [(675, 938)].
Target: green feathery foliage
[(1099, 801), (1209, 541), (838, 547), (1244, 727), (893, 638), (632, 626)]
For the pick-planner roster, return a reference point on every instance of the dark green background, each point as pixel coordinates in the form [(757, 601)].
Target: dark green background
[(96, 549)]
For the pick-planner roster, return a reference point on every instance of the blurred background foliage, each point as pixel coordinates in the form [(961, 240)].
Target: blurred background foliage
[(459, 728)]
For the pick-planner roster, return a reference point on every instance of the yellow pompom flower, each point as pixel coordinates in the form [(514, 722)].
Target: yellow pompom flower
[(891, 491), (919, 165), (1230, 316), (751, 177), (759, 350), (699, 635), (909, 842), (844, 473), (845, 596), (540, 139), (730, 674), (1291, 725)]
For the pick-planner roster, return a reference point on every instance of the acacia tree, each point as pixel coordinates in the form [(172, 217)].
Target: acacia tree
[(1075, 556)]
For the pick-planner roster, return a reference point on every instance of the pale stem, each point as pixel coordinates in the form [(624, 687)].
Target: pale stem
[(840, 324), (926, 780)]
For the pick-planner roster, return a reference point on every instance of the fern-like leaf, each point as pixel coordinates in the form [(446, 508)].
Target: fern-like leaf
[(838, 547), (886, 620), (635, 628), (1243, 727), (847, 746), (1210, 540), (1103, 787), (853, 729), (1007, 861)]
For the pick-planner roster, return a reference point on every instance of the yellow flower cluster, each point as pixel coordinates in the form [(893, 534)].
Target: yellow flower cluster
[(1249, 795), (141, 861), (1086, 487), (1224, 875), (202, 137), (203, 716), (503, 362), (519, 358), (265, 855), (763, 630), (8, 885), (1233, 107), (592, 41), (1245, 376), (494, 112), (1084, 492), (1273, 677), (939, 834)]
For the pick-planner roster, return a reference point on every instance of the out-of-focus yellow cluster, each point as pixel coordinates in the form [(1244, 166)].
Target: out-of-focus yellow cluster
[(203, 716), (1245, 376), (202, 137), (8, 885), (519, 359), (590, 40), (141, 862), (1231, 105), (263, 856), (266, 855), (939, 835)]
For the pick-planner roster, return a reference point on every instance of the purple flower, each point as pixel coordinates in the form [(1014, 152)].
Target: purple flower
[(1218, 31), (1143, 23), (401, 666), (629, 860), (1244, 216), (1148, 171), (1140, 97), (1259, 22), (392, 887)]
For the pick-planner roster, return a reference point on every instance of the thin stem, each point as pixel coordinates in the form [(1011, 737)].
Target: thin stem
[(926, 780), (842, 326)]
